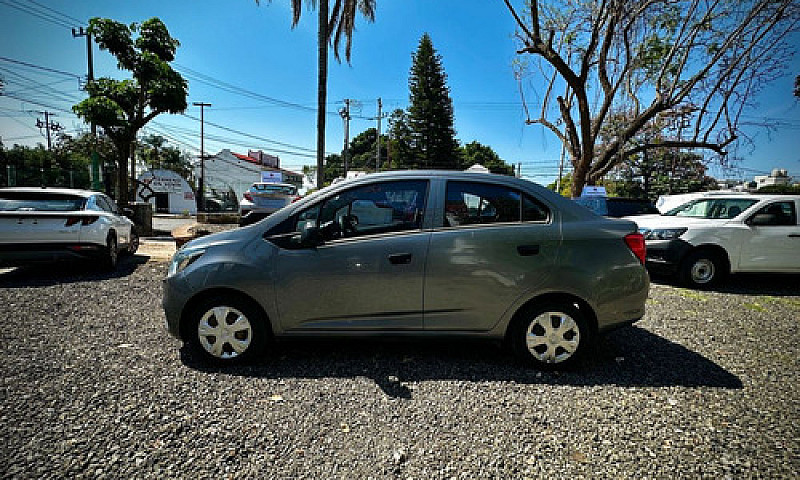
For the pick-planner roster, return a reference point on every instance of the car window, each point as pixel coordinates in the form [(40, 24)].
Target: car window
[(370, 209), (783, 213), (40, 202), (274, 189), (472, 203), (103, 204), (725, 208)]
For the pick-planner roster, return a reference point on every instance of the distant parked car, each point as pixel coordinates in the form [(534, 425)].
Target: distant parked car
[(704, 240), (263, 199), (617, 207), (665, 203), (47, 224), (414, 254)]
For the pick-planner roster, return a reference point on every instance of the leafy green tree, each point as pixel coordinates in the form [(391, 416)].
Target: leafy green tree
[(694, 62), (475, 152), (123, 107), (430, 114), (565, 188), (341, 22), (662, 172)]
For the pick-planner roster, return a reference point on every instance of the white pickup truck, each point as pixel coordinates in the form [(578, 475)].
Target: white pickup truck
[(704, 240)]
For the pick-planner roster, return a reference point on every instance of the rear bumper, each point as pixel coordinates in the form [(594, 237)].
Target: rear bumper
[(17, 254)]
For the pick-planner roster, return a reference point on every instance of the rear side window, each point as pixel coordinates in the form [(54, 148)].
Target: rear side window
[(473, 203), (40, 202)]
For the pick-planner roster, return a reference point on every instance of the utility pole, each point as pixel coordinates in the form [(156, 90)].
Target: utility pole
[(378, 139), (90, 78), (201, 186), (48, 125), (345, 114)]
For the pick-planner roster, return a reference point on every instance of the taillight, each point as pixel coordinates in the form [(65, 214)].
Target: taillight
[(84, 220), (248, 197), (635, 241), (296, 198)]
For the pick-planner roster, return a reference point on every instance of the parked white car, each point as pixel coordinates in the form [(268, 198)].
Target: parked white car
[(47, 224), (704, 240)]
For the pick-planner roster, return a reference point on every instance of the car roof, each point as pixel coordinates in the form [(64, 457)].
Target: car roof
[(58, 191), (274, 183)]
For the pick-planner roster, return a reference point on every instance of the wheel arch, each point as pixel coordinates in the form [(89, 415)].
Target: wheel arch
[(192, 304), (556, 297), (715, 249)]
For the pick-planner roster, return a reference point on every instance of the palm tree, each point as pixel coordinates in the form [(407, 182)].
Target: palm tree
[(342, 21)]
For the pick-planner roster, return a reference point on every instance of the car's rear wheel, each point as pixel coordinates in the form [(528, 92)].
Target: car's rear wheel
[(703, 269), (550, 336), (227, 329)]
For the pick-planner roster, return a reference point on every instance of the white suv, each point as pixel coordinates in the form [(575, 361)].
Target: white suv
[(704, 240)]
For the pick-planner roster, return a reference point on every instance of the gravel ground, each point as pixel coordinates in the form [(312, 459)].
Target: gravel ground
[(705, 386)]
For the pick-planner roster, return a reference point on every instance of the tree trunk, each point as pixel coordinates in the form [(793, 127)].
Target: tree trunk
[(122, 174), (322, 89)]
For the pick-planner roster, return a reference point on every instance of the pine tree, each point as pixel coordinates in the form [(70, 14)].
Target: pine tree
[(430, 115)]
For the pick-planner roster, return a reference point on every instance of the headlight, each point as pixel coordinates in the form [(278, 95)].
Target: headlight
[(182, 259), (662, 233)]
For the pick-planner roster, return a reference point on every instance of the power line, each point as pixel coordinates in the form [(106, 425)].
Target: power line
[(68, 17), (39, 67), (42, 15)]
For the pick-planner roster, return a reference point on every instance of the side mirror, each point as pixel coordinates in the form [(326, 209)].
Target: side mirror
[(763, 219), (127, 212)]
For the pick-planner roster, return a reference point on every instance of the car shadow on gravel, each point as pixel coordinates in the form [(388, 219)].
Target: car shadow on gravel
[(630, 357), (48, 274), (775, 284)]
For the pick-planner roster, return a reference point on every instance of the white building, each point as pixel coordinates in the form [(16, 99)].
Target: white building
[(777, 177), (229, 174), (166, 191)]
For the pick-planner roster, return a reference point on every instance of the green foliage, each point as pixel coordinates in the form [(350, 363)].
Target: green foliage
[(781, 189), (662, 172), (156, 154), (475, 152), (430, 115), (565, 188)]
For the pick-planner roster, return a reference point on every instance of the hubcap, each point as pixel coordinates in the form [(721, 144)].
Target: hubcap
[(224, 332), (553, 337), (702, 271)]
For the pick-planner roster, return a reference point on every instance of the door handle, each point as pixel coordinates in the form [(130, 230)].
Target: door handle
[(528, 250), (794, 235), (400, 259)]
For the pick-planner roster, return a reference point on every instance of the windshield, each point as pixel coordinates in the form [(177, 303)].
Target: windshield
[(40, 202), (725, 208)]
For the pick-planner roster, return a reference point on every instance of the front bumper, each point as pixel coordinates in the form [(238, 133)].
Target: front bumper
[(665, 256)]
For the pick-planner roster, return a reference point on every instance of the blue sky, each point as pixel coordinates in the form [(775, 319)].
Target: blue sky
[(273, 70)]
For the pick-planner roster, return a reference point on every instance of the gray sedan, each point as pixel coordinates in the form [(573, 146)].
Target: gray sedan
[(416, 254)]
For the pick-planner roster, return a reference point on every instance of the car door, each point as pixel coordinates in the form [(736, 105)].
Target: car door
[(495, 243), (772, 246), (367, 274)]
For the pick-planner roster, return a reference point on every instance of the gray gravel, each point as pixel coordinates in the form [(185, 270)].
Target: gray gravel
[(705, 386)]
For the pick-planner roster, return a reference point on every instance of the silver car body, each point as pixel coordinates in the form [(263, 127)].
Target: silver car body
[(267, 198), (433, 280)]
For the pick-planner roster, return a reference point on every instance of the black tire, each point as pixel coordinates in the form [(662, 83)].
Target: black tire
[(703, 269), (239, 343), (550, 336), (111, 254)]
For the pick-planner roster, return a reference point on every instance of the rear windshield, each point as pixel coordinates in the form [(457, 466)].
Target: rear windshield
[(40, 202), (279, 189), (619, 207)]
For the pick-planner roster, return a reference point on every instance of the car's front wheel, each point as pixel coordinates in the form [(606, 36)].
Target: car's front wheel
[(226, 329), (703, 269), (550, 336), (111, 254)]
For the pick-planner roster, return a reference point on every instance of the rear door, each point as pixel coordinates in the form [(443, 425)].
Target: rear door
[(495, 244)]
